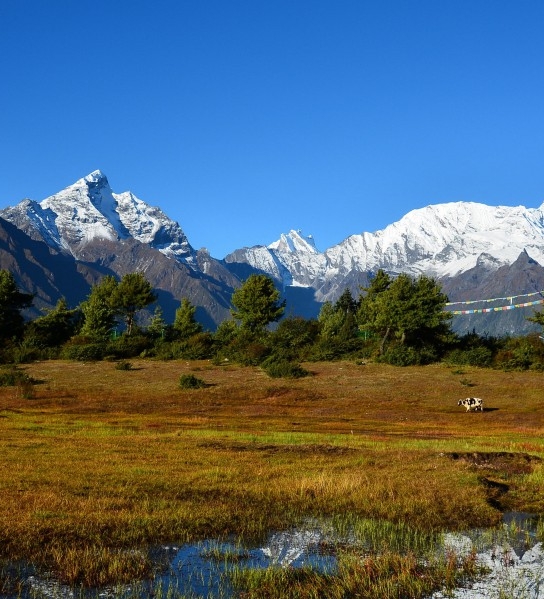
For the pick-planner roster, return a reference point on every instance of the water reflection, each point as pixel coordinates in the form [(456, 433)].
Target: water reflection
[(512, 558), (202, 569)]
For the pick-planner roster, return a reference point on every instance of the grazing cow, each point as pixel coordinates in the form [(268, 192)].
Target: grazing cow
[(472, 403)]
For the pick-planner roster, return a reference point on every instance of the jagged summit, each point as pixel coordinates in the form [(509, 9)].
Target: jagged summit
[(294, 241), (441, 240), (95, 176), (88, 211)]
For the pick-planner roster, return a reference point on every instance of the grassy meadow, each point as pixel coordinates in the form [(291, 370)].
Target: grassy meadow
[(97, 461)]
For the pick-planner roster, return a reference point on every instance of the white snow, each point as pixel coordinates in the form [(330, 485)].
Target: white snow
[(439, 240), (89, 210)]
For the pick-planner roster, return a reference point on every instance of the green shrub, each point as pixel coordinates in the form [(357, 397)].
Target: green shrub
[(281, 368), (406, 355), (128, 346), (197, 347), (475, 356), (522, 353), (85, 352), (294, 338), (22, 353), (11, 376), (330, 349), (190, 381), (123, 365)]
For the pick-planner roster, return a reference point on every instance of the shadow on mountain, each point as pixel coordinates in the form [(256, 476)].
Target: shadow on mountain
[(42, 271), (300, 301)]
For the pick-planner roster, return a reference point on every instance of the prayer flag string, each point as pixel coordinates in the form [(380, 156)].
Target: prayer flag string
[(509, 298), (497, 308)]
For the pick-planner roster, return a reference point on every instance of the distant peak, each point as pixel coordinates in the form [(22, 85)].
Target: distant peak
[(294, 241), (96, 177)]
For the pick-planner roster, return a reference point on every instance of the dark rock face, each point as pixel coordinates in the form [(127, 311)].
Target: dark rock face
[(42, 271), (525, 275)]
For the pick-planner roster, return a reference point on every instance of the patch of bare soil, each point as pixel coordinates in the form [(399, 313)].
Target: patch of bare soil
[(498, 471), (501, 461), (273, 449)]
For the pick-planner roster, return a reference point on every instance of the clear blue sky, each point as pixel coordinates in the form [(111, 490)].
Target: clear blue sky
[(243, 119)]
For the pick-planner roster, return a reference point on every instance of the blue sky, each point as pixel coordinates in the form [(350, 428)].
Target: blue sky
[(243, 119)]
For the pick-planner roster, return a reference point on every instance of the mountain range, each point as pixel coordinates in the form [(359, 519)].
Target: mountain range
[(60, 246)]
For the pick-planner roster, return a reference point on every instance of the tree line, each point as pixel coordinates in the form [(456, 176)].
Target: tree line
[(400, 320)]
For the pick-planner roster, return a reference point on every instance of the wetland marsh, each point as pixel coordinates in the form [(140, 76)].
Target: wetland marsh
[(100, 464)]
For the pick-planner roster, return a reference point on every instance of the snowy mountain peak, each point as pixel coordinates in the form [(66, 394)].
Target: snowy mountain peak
[(89, 210), (441, 240), (95, 177), (294, 241)]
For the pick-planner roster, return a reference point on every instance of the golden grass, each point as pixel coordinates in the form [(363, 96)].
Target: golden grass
[(102, 458)]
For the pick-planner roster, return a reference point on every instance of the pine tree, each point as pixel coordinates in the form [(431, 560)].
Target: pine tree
[(185, 324), (157, 327), (537, 317), (406, 310), (257, 304), (53, 328), (98, 312), (133, 293), (12, 302)]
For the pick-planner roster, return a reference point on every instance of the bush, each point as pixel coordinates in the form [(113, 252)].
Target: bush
[(246, 349), (9, 377), (330, 349), (190, 381), (406, 355), (294, 338), (83, 352), (13, 377), (475, 356), (197, 347), (281, 368), (128, 346), (123, 365), (521, 353)]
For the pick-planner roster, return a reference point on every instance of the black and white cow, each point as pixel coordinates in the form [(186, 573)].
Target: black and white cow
[(472, 403)]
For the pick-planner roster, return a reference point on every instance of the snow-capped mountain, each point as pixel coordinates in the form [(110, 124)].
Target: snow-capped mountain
[(89, 231), (89, 211), (442, 241), (474, 250)]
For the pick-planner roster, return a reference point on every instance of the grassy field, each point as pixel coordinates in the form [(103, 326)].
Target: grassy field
[(98, 460)]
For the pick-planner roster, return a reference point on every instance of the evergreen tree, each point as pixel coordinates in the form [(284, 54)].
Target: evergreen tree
[(257, 304), (98, 312), (537, 317), (330, 321), (346, 303), (133, 293), (338, 321), (293, 337), (406, 310), (53, 328), (157, 327), (185, 324), (12, 302), (226, 333), (367, 311)]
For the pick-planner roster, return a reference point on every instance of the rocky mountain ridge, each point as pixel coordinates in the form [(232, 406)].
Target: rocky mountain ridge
[(472, 249), (89, 210), (442, 241)]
